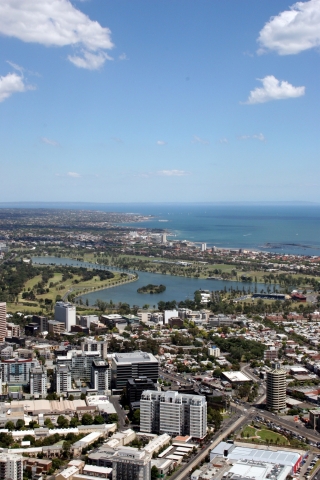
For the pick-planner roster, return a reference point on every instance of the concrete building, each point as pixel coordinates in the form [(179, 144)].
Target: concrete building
[(38, 381), (42, 322), (80, 363), (62, 378), (135, 387), (133, 365), (87, 320), (55, 327), (92, 345), (100, 376), (3, 321), (214, 351), (65, 313), (130, 463), (173, 413), (17, 370), (276, 389), (13, 330), (11, 466)]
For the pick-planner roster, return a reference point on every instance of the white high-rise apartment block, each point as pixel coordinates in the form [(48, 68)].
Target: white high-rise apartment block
[(92, 345), (65, 313), (11, 466), (203, 247), (38, 381), (131, 464), (62, 378), (276, 389), (3, 321), (214, 351), (173, 413)]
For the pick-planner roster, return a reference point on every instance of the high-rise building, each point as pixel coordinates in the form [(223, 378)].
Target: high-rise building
[(13, 330), (66, 313), (3, 321), (80, 363), (276, 389), (92, 345), (131, 464), (135, 387), (100, 376), (11, 466), (133, 365), (62, 378), (42, 322), (38, 381), (17, 370), (173, 413)]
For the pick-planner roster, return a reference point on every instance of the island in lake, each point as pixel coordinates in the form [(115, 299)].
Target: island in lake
[(152, 289)]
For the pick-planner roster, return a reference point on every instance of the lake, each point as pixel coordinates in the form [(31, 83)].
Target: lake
[(177, 288)]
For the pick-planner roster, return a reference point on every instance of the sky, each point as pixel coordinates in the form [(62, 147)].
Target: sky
[(159, 100)]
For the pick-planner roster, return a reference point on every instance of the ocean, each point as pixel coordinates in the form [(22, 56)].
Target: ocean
[(283, 228)]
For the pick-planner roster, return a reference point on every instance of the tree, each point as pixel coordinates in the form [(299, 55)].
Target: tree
[(136, 416), (154, 472), (20, 424), (113, 418), (71, 397), (74, 422), (62, 422), (98, 420), (87, 419), (9, 426)]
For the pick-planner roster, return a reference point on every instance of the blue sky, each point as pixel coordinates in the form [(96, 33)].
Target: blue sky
[(159, 100)]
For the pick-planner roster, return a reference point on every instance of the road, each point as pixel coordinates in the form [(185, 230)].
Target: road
[(114, 399), (218, 437)]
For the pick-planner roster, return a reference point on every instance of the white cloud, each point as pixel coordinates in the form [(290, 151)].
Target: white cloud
[(161, 142), (197, 139), (123, 56), (56, 23), (274, 89), (12, 83), (73, 174), (294, 30), (53, 143), (223, 140), (172, 173), (258, 136)]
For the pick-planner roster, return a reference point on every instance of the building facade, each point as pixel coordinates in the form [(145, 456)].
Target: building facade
[(17, 370), (131, 464), (133, 365), (3, 321), (276, 389), (100, 376), (92, 345), (62, 378), (38, 381), (80, 363), (11, 466), (65, 313), (173, 413)]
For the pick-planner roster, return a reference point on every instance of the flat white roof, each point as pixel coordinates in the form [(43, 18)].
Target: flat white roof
[(236, 377)]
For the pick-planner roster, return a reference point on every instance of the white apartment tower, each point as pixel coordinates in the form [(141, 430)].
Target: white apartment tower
[(3, 321), (38, 381), (92, 345), (173, 413), (276, 389), (62, 378), (131, 464), (65, 313), (100, 376), (11, 466)]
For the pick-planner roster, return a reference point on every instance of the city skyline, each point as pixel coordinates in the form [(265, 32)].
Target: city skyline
[(117, 102)]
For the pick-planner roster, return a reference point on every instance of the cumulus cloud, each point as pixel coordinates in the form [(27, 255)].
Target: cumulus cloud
[(57, 23), (73, 174), (223, 140), (197, 139), (172, 173), (47, 141), (292, 31), (274, 89), (258, 136), (12, 83), (161, 142)]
